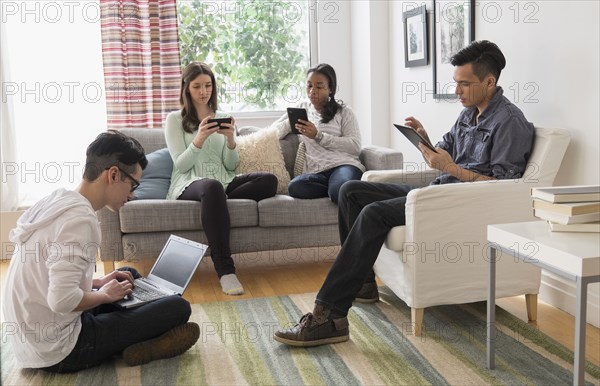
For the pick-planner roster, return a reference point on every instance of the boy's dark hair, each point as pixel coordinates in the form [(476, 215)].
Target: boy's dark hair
[(332, 106), (485, 57), (113, 148)]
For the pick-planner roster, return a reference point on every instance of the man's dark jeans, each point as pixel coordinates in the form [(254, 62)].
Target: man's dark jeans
[(367, 212), (107, 330)]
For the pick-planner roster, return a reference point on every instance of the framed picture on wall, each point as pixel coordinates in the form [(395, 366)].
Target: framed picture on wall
[(454, 29), (415, 37)]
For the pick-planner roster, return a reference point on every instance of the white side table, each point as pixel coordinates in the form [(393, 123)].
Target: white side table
[(575, 256)]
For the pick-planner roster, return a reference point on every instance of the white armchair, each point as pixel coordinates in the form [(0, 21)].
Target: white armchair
[(440, 255)]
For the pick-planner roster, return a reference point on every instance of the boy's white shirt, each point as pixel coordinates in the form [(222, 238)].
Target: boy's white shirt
[(56, 245)]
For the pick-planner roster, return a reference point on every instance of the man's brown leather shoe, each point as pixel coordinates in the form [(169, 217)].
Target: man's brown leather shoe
[(314, 329), (368, 293)]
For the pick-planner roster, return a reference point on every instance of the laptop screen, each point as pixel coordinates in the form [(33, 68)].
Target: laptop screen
[(178, 261)]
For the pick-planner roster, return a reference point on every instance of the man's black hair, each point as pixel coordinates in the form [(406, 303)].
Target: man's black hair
[(113, 148), (485, 57)]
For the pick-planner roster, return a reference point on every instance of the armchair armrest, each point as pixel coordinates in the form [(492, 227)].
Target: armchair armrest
[(381, 158), (460, 212), (412, 178)]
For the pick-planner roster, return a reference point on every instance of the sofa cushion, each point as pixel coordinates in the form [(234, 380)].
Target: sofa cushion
[(287, 211), (156, 177), (150, 139), (172, 215), (261, 152)]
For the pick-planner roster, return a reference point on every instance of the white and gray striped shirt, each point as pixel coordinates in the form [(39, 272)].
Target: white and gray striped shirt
[(339, 145)]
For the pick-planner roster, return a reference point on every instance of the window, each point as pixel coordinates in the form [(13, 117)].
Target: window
[(55, 84), (259, 50)]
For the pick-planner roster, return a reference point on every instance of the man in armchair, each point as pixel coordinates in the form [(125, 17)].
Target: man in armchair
[(491, 139)]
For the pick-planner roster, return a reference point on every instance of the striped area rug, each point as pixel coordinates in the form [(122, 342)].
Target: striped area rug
[(236, 348)]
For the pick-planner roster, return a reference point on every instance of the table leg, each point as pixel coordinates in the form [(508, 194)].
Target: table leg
[(580, 324), (491, 308)]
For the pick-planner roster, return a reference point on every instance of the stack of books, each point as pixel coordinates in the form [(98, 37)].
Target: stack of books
[(568, 208)]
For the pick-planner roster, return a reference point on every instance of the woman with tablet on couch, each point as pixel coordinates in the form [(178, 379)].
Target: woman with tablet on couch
[(330, 136), (202, 145)]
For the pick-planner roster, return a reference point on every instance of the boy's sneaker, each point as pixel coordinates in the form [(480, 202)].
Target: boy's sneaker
[(174, 342), (368, 293), (314, 329)]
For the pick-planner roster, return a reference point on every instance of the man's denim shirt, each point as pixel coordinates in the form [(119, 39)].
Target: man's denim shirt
[(498, 146)]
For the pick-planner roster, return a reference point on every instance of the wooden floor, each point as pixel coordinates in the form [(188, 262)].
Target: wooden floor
[(307, 277)]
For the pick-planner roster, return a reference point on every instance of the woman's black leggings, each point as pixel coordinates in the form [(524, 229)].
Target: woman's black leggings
[(215, 215)]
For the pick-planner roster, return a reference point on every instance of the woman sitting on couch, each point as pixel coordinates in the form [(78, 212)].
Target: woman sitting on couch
[(204, 160), (330, 136)]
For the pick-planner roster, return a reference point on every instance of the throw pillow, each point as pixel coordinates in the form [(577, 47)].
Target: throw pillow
[(260, 152), (289, 148), (300, 162), (156, 178)]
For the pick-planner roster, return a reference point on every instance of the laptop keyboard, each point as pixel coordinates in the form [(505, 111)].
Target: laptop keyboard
[(147, 293)]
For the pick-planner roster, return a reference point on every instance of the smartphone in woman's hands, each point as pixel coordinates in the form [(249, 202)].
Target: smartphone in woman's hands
[(220, 121)]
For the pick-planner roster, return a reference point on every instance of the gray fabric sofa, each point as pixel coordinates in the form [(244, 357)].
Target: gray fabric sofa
[(141, 227)]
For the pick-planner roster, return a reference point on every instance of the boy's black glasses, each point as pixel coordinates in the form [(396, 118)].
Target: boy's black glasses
[(134, 183)]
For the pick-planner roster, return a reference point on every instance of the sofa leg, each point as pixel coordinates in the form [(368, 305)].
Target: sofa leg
[(108, 267), (531, 303), (416, 317)]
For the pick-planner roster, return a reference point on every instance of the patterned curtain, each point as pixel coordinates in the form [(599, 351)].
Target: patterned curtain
[(142, 70)]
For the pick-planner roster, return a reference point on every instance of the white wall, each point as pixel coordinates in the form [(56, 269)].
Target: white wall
[(334, 47), (371, 69), (560, 54), (360, 37), (551, 74)]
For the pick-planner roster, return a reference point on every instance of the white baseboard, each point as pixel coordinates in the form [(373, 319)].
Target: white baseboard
[(560, 293)]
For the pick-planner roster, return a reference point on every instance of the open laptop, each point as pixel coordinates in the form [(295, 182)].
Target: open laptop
[(170, 275)]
